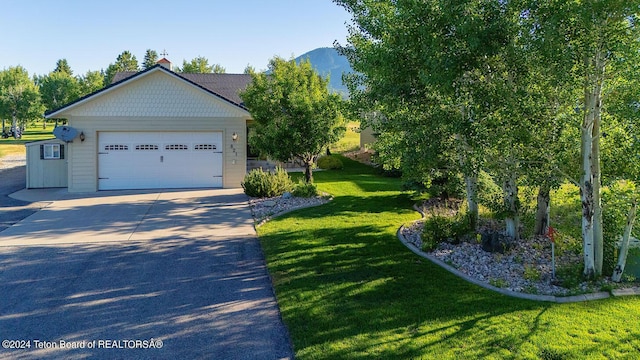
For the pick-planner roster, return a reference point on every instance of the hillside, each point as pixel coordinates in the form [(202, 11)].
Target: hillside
[(327, 61)]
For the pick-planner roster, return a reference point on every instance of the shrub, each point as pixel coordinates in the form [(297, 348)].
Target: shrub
[(303, 189), (439, 227), (330, 162), (260, 183)]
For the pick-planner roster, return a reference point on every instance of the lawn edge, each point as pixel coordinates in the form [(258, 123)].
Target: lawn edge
[(534, 297)]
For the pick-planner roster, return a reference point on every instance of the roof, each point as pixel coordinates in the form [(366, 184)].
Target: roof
[(224, 86), (227, 86)]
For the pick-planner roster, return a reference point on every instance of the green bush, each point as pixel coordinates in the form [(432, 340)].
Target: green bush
[(330, 162), (303, 189), (439, 227), (260, 183)]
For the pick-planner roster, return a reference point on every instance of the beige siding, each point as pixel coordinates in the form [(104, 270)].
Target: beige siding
[(157, 103), (367, 137), (43, 173)]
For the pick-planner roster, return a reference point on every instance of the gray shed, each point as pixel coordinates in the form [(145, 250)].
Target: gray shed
[(47, 164)]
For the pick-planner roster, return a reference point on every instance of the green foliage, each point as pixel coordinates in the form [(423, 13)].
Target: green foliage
[(295, 116), (200, 65), (305, 189), (150, 59), (616, 202), (124, 62), (260, 183), (90, 82), (19, 96), (531, 273), (58, 88), (330, 162), (440, 226)]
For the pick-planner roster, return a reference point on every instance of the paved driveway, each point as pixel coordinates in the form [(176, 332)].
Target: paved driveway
[(107, 273)]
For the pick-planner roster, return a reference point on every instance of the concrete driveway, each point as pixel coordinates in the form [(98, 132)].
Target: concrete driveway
[(110, 271)]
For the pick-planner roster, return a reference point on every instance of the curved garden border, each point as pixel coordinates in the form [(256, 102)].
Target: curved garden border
[(548, 298)]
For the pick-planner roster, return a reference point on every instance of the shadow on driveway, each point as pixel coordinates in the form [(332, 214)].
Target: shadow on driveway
[(183, 268)]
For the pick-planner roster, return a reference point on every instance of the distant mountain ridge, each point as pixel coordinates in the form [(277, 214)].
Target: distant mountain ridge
[(327, 61)]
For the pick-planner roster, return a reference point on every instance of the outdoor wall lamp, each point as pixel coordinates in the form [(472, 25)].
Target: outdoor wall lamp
[(234, 136), (81, 136)]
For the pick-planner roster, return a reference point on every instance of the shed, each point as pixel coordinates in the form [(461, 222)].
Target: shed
[(47, 164)]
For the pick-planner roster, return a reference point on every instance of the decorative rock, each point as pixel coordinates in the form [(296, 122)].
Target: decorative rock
[(269, 203), (287, 195)]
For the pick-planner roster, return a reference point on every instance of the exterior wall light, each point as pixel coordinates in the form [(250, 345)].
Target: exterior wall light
[(234, 136), (82, 136)]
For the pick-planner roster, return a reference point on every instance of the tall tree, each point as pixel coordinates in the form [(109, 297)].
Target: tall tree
[(581, 39), (57, 89), (295, 115), (124, 62), (63, 66), (150, 59), (19, 96), (90, 82)]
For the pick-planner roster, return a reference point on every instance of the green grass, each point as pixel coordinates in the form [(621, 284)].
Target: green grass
[(350, 141), (348, 289), (13, 146)]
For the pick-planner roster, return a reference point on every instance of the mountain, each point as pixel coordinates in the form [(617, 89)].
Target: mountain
[(327, 61)]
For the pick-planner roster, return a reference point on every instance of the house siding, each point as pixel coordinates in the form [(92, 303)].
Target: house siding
[(157, 103)]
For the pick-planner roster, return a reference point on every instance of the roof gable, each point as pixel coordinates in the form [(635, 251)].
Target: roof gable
[(227, 89)]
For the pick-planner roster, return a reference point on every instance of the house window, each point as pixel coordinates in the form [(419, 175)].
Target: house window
[(146, 147), (205, 147), (51, 151), (176, 147), (116, 147)]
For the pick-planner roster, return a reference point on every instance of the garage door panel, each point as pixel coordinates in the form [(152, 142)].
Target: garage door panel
[(159, 160)]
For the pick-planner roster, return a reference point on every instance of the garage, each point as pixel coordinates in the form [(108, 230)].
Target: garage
[(153, 160)]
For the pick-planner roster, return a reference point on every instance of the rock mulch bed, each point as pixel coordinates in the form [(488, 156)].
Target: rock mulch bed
[(263, 209), (526, 268)]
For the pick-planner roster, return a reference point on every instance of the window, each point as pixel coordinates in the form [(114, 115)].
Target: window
[(146, 147), (205, 147), (116, 147), (176, 147), (51, 151)]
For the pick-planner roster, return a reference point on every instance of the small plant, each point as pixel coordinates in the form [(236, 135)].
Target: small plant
[(330, 162), (499, 283), (303, 189), (531, 273), (260, 183)]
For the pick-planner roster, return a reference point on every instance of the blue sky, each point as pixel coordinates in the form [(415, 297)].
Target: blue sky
[(90, 34)]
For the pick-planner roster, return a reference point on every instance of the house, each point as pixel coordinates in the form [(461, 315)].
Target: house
[(155, 129)]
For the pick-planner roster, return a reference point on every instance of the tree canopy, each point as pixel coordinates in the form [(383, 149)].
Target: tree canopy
[(200, 65), (296, 117)]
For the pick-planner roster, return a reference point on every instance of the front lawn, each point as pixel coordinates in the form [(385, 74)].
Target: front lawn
[(11, 146), (348, 289)]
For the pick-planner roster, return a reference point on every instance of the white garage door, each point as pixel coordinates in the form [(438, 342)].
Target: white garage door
[(153, 160)]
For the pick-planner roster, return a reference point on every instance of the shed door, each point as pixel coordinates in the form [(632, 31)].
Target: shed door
[(152, 160)]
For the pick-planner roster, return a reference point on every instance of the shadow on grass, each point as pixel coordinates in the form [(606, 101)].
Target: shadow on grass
[(347, 288)]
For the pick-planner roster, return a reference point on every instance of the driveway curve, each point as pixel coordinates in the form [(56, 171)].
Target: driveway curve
[(101, 275)]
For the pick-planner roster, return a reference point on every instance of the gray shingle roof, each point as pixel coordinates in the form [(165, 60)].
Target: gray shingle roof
[(227, 86)]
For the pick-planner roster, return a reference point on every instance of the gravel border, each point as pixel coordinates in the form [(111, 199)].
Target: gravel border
[(411, 245)]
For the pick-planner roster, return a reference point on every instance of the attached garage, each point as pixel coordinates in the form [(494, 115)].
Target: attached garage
[(158, 129), (159, 160)]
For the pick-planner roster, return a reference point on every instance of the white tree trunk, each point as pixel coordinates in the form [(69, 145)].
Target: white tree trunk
[(510, 200), (624, 247), (586, 185), (542, 212), (598, 242)]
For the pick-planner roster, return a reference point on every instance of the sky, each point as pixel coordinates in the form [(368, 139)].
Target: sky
[(91, 34)]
